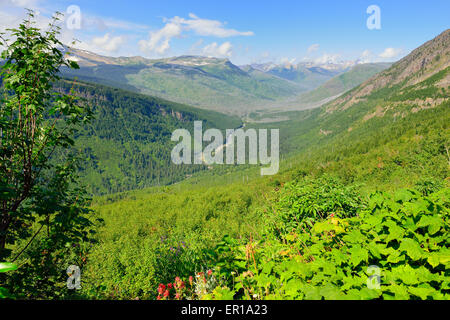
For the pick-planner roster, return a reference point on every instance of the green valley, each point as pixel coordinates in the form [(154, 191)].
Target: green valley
[(359, 210), (128, 146), (349, 180)]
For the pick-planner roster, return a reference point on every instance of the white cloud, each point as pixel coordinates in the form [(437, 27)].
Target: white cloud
[(95, 23), (328, 58), (205, 27), (11, 17), (20, 3), (6, 21), (221, 51), (390, 53), (366, 53), (366, 56), (288, 62), (108, 43), (196, 46), (265, 54), (313, 48), (12, 13), (159, 41)]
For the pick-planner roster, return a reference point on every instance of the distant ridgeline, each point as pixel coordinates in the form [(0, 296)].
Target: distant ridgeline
[(396, 124), (128, 145)]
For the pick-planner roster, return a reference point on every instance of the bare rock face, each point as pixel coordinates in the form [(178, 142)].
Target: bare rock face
[(421, 64)]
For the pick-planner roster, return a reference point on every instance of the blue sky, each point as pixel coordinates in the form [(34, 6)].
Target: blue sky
[(246, 31)]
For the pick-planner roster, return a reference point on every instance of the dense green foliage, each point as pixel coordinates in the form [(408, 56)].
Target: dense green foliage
[(404, 237), (149, 237), (5, 267)]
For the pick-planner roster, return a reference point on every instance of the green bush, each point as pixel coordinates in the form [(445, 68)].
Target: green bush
[(405, 236), (6, 267), (310, 199)]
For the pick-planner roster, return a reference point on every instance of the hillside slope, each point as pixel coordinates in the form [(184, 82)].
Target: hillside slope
[(128, 144), (309, 77), (344, 82), (380, 124), (429, 61)]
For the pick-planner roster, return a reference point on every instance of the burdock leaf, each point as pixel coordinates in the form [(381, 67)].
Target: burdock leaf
[(7, 266)]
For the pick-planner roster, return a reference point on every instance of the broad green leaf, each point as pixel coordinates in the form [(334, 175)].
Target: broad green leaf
[(404, 273), (4, 293), (338, 256), (433, 259), (395, 232), (403, 195), (358, 255), (440, 257), (350, 282), (376, 200), (400, 291), (375, 249), (6, 266), (331, 292), (422, 293), (370, 294), (327, 226), (412, 248), (416, 208), (267, 268), (311, 293), (292, 287), (354, 236), (395, 256), (223, 294), (434, 223), (353, 294), (410, 225)]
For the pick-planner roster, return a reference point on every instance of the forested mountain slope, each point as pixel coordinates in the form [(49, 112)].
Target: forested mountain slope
[(343, 82), (307, 76), (408, 94), (420, 75), (127, 145)]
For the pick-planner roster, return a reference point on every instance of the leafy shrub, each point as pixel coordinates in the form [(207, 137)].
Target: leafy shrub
[(5, 267), (404, 235), (202, 286), (310, 199), (159, 236)]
